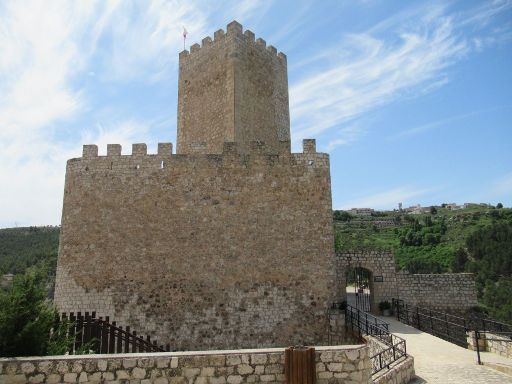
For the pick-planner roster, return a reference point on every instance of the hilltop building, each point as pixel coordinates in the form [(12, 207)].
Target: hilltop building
[(362, 211)]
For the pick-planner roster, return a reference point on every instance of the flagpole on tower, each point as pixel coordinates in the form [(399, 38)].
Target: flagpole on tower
[(184, 37)]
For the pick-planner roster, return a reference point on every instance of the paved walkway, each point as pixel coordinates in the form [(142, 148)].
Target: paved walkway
[(438, 361)]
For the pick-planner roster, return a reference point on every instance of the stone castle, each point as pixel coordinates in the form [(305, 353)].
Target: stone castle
[(229, 242), (226, 244)]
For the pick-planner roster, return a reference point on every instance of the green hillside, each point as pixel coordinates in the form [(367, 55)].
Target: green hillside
[(476, 239), (21, 248)]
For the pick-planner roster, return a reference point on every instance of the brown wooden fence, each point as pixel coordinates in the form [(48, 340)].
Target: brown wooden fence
[(101, 336), (299, 365)]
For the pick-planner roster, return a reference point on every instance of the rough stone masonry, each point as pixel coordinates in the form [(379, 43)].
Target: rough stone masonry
[(334, 365), (227, 244)]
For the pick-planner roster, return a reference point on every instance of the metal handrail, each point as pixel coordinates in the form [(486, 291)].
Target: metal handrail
[(369, 318), (449, 327), (477, 339), (397, 350), (367, 324), (417, 317), (497, 326)]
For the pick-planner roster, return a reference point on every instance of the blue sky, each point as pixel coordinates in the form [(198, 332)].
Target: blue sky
[(412, 99)]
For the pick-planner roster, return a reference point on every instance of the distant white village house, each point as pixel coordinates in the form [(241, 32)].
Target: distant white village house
[(362, 211)]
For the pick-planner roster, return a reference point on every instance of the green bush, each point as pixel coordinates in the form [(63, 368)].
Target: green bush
[(26, 317), (28, 321)]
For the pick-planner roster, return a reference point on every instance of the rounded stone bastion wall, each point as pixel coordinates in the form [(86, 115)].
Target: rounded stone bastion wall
[(201, 251)]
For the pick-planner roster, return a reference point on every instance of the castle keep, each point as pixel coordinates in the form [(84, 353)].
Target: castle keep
[(226, 244), (232, 89)]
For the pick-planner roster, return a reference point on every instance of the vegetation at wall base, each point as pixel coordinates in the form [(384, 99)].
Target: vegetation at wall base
[(26, 316)]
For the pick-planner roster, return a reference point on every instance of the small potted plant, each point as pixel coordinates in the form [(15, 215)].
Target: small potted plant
[(385, 308)]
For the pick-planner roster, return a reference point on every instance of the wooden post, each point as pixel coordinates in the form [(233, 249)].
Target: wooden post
[(299, 367)]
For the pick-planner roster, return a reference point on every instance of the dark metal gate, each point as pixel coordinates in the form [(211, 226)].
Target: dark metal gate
[(360, 278)]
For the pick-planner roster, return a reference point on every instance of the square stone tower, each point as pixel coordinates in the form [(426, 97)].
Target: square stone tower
[(232, 89), (227, 244)]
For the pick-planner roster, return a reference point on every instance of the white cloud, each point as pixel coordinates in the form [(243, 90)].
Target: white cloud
[(376, 72), (388, 199), (47, 48), (439, 123), (404, 56), (125, 133), (247, 9), (146, 38), (345, 136), (34, 77)]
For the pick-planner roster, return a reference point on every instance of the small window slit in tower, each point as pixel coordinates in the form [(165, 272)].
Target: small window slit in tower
[(311, 162), (137, 166), (162, 164), (111, 164)]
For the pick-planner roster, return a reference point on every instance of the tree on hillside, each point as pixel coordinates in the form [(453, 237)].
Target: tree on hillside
[(420, 265), (490, 248), (497, 296), (433, 210), (342, 216), (499, 205), (25, 317), (459, 261)]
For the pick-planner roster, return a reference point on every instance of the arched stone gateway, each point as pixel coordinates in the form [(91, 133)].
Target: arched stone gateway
[(376, 269), (360, 288), (448, 292)]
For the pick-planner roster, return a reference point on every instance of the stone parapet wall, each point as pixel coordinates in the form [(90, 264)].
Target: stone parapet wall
[(338, 332), (399, 373), (502, 346), (446, 292), (374, 345), (334, 365), (201, 251)]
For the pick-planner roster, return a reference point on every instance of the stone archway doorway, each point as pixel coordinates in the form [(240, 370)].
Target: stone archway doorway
[(360, 289)]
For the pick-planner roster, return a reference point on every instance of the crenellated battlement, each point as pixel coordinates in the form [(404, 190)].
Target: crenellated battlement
[(114, 150), (139, 158), (90, 151), (234, 31), (235, 85)]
